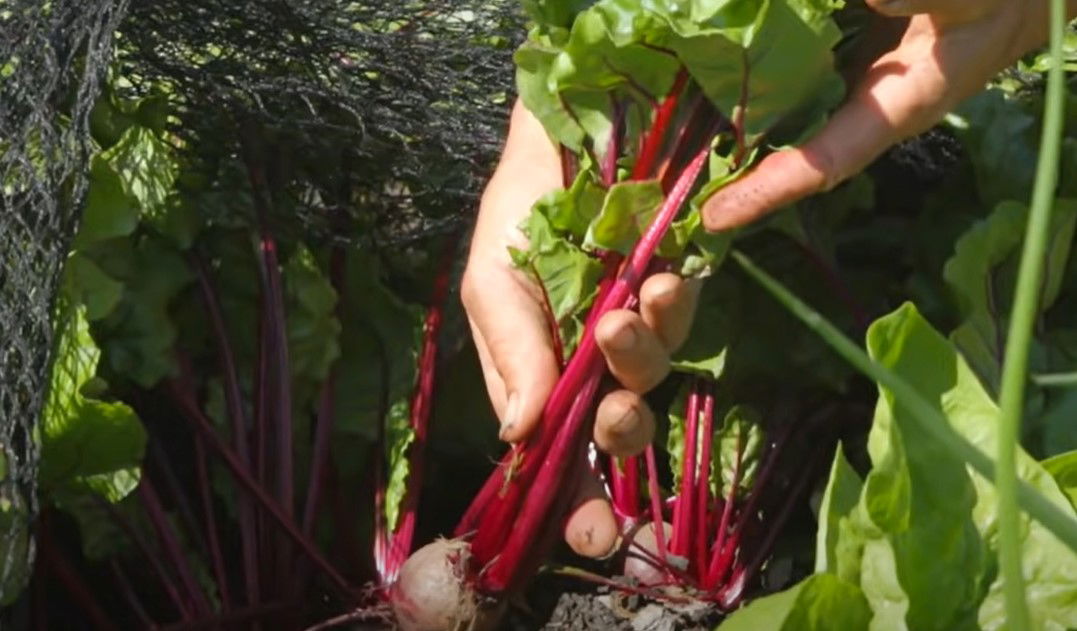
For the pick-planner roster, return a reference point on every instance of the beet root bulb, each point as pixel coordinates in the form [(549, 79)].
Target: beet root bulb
[(642, 555), (433, 592)]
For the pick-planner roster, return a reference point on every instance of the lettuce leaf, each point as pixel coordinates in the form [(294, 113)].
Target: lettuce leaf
[(921, 540), (822, 602)]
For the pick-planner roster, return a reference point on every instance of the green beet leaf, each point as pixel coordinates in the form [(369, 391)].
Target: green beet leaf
[(760, 62), (379, 347), (628, 209), (89, 285), (87, 445), (312, 326), (571, 211), (567, 275), (313, 333), (110, 211), (1001, 137), (138, 335), (399, 437), (131, 181), (740, 437), (822, 602)]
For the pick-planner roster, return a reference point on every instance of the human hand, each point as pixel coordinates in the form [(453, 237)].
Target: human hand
[(505, 310), (948, 52)]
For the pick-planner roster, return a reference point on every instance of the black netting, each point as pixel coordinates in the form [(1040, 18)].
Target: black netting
[(52, 55), (370, 122)]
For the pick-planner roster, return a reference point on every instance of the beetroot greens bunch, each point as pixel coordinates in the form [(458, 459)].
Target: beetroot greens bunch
[(655, 106)]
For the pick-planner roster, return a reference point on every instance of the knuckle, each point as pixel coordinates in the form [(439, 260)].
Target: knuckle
[(615, 324), (470, 292), (658, 373), (661, 287), (821, 169)]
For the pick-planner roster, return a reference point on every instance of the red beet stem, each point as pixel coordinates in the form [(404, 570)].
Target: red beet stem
[(703, 483), (400, 541), (237, 419), (718, 563), (505, 573), (170, 543), (624, 489), (247, 483), (656, 136), (683, 511), (76, 587), (656, 505), (727, 553), (613, 147)]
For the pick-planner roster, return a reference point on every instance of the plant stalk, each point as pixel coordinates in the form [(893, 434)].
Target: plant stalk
[(703, 482), (247, 482), (930, 420), (657, 518), (238, 423), (171, 545), (1022, 322)]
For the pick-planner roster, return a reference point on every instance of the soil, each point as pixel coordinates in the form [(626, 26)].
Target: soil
[(627, 613), (559, 603)]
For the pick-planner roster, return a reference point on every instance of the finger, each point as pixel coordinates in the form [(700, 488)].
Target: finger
[(958, 10), (514, 346), (591, 529), (624, 424), (902, 94), (495, 385), (667, 305), (634, 354)]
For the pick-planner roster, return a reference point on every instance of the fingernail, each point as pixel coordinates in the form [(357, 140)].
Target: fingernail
[(623, 340), (512, 412)]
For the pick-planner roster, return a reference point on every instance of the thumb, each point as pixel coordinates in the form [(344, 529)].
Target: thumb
[(513, 340)]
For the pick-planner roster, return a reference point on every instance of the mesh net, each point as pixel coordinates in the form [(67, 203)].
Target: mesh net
[(369, 122), (372, 121), (52, 55)]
